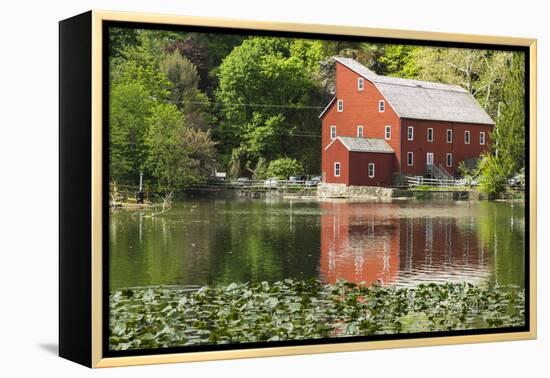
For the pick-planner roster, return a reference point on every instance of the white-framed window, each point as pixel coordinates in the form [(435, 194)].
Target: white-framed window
[(333, 132), (387, 132), (410, 133), (340, 105), (449, 159), (481, 137), (360, 131), (467, 137), (381, 106), (360, 83), (371, 170), (410, 159), (449, 136), (430, 134), (337, 169)]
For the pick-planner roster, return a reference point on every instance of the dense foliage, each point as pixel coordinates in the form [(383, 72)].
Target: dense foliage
[(159, 317), (255, 100)]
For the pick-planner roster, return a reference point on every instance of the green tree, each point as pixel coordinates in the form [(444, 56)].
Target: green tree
[(267, 88), (508, 138), (481, 72), (398, 60), (179, 156), (494, 173), (509, 134), (185, 93), (141, 63), (120, 39), (284, 167), (130, 105)]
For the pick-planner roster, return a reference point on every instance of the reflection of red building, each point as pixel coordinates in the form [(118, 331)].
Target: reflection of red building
[(359, 242), (370, 242)]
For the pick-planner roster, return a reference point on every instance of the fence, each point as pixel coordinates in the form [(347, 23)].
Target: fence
[(422, 181), (259, 185)]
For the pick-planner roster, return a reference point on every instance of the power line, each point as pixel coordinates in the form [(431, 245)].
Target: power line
[(311, 107)]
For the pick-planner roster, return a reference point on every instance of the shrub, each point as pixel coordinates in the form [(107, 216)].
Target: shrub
[(284, 167), (493, 177)]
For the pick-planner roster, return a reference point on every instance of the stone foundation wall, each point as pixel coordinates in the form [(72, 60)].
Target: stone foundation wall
[(325, 190)]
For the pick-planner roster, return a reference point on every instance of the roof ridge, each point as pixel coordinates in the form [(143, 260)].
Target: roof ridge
[(458, 89), (373, 75), (420, 99)]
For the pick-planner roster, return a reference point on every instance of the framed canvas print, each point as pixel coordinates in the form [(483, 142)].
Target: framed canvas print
[(234, 189)]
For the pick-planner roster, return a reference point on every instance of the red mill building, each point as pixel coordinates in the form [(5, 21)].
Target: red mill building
[(377, 128)]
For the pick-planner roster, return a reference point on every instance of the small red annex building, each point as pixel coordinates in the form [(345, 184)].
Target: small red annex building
[(378, 128)]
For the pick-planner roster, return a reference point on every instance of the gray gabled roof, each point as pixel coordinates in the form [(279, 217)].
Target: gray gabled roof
[(426, 100), (364, 145)]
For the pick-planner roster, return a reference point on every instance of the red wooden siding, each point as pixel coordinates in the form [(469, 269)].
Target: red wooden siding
[(420, 146), (359, 166), (360, 108), (354, 166), (337, 152)]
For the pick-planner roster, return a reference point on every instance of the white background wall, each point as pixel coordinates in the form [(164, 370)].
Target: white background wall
[(28, 186)]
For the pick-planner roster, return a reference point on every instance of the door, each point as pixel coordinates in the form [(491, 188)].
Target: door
[(430, 164), (430, 159)]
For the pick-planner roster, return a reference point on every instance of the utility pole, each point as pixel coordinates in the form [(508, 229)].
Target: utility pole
[(139, 194)]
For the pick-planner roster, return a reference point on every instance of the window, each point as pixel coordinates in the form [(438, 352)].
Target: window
[(359, 131), (381, 106), (430, 134), (482, 138), (466, 137), (337, 169), (410, 159), (371, 170), (410, 133), (360, 83), (388, 132), (449, 159), (449, 136), (333, 132), (340, 105)]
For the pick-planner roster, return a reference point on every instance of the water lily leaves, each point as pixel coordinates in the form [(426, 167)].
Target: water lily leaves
[(271, 302), (157, 317), (294, 307), (232, 287), (414, 322)]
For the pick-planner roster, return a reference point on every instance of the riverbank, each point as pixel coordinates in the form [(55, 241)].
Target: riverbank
[(331, 191), (156, 317)]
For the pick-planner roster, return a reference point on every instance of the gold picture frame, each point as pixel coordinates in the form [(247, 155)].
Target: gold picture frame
[(91, 328)]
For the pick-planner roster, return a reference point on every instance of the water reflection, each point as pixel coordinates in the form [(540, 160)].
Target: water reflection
[(406, 244), (401, 243)]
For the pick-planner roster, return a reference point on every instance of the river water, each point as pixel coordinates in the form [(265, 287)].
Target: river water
[(403, 243)]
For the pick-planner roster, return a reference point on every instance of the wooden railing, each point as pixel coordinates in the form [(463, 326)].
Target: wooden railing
[(413, 181), (255, 184)]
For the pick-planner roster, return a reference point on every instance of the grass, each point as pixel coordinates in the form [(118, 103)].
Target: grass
[(426, 188)]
